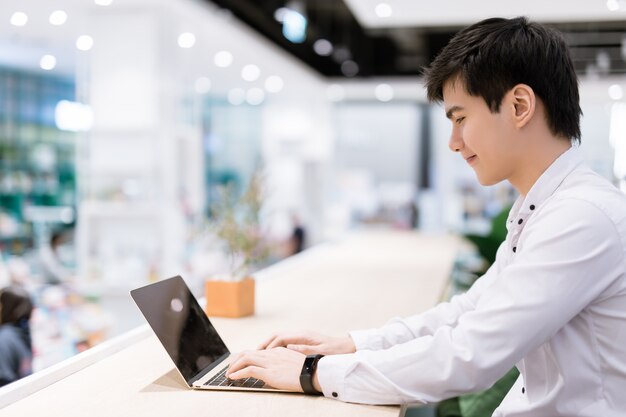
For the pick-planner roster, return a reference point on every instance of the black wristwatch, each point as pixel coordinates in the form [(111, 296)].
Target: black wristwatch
[(306, 375)]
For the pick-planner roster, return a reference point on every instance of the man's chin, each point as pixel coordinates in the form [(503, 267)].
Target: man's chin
[(487, 181)]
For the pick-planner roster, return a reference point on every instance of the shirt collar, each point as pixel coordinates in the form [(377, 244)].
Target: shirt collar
[(546, 184)]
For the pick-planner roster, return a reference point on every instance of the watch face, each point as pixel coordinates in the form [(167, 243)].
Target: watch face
[(308, 365)]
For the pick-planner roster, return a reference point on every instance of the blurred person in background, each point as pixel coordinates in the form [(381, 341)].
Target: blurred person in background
[(16, 352), (53, 262), (298, 236)]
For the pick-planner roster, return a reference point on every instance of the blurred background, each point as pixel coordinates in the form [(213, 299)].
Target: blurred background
[(121, 121)]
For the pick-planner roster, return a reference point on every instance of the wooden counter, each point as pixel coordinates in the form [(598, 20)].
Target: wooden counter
[(359, 282)]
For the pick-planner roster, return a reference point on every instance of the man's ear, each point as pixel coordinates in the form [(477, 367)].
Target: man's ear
[(523, 100)]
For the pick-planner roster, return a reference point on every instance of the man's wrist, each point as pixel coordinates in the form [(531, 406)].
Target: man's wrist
[(316, 383), (350, 346)]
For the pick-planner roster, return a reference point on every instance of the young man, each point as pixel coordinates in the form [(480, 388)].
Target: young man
[(554, 302)]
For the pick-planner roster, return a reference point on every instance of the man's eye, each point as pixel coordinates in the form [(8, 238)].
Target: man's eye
[(459, 120)]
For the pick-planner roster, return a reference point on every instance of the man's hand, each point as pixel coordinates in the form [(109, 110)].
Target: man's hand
[(279, 368), (310, 343)]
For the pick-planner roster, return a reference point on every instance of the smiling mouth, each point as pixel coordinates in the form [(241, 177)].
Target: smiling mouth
[(470, 159)]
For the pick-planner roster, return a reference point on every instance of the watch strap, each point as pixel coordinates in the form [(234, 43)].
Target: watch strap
[(306, 375)]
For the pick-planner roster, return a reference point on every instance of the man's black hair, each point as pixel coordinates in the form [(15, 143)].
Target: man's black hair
[(492, 56)]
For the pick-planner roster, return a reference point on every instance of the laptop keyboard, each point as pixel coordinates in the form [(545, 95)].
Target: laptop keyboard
[(221, 380)]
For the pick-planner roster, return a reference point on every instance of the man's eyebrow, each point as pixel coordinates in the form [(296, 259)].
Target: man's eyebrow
[(452, 110)]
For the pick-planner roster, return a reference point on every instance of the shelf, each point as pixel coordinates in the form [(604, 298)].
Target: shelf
[(27, 124)]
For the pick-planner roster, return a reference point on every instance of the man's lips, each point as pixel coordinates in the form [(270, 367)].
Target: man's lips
[(470, 159)]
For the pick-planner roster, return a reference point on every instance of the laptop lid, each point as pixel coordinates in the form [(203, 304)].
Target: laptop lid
[(182, 327)]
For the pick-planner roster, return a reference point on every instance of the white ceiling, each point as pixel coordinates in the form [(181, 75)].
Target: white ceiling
[(412, 13), (23, 47)]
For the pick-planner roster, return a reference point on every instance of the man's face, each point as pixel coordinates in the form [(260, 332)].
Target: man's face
[(484, 139)]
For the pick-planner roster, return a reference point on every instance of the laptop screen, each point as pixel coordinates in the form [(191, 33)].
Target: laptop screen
[(181, 325)]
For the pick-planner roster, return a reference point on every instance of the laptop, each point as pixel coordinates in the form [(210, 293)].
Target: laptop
[(186, 333)]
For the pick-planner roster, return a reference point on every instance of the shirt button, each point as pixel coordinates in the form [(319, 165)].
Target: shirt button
[(523, 390), (514, 249), (520, 221), (532, 206), (335, 394)]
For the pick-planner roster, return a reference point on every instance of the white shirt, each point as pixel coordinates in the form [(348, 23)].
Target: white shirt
[(553, 304)]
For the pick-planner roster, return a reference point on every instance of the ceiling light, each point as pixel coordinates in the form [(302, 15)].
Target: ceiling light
[(84, 42), (103, 2), (273, 84), (612, 5), (294, 26), (186, 40), (323, 47), (349, 68), (57, 18), (223, 59), (236, 96), (383, 92), (335, 92), (250, 72), (341, 53), (48, 62), (383, 10), (73, 116), (255, 96), (279, 14), (202, 85), (616, 92), (19, 19)]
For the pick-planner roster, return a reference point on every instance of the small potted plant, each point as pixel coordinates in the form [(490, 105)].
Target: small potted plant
[(235, 221)]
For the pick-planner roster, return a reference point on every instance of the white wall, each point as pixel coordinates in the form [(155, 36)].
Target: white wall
[(297, 144), (596, 122), (383, 138), (144, 135)]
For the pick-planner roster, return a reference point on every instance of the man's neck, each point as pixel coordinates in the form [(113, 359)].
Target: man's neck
[(537, 161)]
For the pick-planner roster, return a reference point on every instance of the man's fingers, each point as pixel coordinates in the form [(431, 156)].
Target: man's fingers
[(278, 340), (304, 349), (292, 339), (243, 360), (278, 367), (267, 342), (249, 372)]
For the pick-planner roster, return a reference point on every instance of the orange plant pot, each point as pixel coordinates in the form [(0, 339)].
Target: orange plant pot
[(229, 298)]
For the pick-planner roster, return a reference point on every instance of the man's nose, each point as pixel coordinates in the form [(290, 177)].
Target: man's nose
[(456, 141)]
